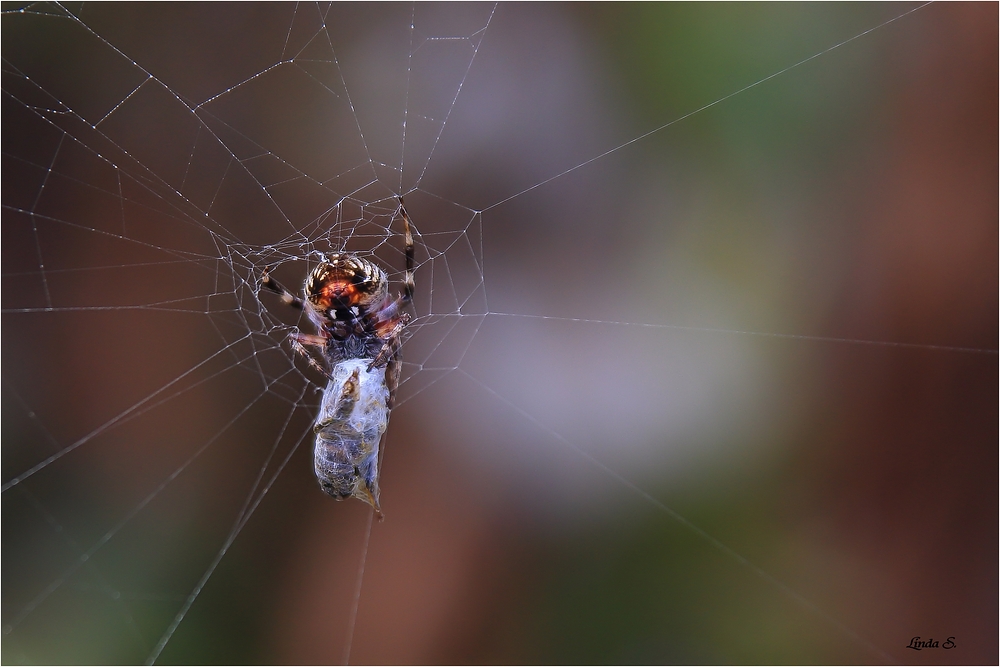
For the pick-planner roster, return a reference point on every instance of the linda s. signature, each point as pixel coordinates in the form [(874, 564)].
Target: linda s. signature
[(918, 644)]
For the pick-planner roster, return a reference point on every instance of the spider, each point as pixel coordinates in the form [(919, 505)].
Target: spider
[(358, 329)]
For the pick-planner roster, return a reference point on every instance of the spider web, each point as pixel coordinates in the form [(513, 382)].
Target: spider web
[(585, 366)]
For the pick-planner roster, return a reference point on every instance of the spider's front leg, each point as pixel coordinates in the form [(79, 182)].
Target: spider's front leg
[(300, 340), (391, 343), (309, 339), (269, 283), (393, 311), (408, 282)]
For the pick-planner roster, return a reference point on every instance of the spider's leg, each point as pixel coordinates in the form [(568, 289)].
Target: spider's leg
[(408, 284), (391, 343), (297, 346), (392, 380), (310, 339), (393, 311), (269, 283)]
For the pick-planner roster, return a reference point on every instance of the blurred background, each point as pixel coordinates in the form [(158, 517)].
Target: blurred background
[(704, 368)]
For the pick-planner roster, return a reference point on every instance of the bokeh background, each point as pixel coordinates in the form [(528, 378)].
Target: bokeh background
[(726, 394)]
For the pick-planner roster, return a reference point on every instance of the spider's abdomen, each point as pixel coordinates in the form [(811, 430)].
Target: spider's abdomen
[(351, 421), (346, 281)]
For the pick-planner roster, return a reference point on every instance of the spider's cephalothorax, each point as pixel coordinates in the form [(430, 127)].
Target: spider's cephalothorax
[(358, 328)]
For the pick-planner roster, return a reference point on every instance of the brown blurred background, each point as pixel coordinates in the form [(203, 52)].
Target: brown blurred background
[(592, 357)]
